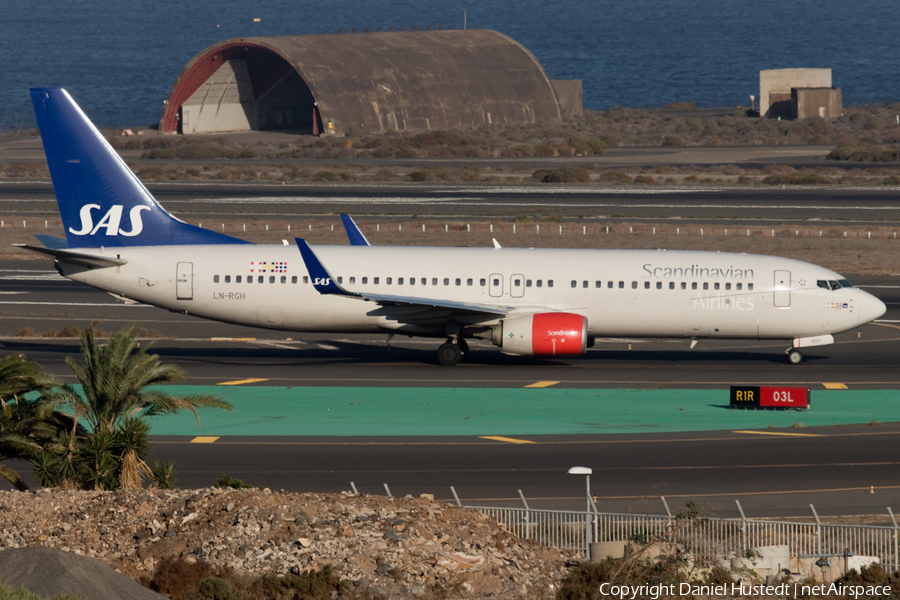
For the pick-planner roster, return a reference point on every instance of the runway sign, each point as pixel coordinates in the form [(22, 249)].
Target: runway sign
[(743, 396)]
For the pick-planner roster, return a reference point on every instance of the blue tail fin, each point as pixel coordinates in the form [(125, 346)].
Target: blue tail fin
[(101, 201)]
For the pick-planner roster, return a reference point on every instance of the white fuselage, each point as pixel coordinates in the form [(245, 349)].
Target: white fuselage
[(621, 292)]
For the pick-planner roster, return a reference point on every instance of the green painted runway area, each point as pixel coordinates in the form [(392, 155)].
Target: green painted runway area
[(337, 411)]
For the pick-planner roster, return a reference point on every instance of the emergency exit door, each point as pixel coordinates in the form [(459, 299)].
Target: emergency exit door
[(184, 281)]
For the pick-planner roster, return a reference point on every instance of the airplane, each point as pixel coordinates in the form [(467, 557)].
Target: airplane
[(527, 301)]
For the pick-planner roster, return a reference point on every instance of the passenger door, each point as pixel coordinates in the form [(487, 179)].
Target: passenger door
[(782, 289)]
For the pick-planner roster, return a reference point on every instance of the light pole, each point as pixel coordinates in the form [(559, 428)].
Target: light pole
[(587, 472)]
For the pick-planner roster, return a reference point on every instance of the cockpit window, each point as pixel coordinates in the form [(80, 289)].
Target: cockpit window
[(833, 284)]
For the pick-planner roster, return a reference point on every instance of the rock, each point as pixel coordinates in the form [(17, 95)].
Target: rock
[(429, 497), (304, 542), (417, 590), (382, 569)]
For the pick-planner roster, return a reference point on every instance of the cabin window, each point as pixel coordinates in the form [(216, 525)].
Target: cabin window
[(353, 280), (716, 285), (527, 283), (284, 279), (424, 281), (574, 283), (260, 279), (412, 281), (634, 285), (646, 285), (671, 285), (483, 282), (609, 285), (305, 279), (549, 283), (738, 286), (215, 279), (271, 279), (340, 279), (497, 282), (749, 286), (469, 282), (249, 278), (458, 281), (659, 285), (375, 280), (598, 284), (539, 283), (399, 281), (294, 279), (388, 280), (727, 286), (621, 285), (237, 279), (584, 284), (517, 282), (433, 281), (446, 281), (694, 285), (705, 285), (365, 280)]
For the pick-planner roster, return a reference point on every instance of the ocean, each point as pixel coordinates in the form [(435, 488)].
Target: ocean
[(119, 58)]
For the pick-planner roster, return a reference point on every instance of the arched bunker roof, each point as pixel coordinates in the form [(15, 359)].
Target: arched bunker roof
[(389, 81)]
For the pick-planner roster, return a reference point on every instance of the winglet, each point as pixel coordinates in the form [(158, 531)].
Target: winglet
[(318, 274), (353, 232)]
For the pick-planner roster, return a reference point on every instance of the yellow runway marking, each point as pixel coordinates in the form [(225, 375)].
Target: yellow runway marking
[(542, 384), (500, 438), (779, 433), (835, 386), (241, 381), (204, 439)]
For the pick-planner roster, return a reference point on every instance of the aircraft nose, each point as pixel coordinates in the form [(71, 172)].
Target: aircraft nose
[(870, 308)]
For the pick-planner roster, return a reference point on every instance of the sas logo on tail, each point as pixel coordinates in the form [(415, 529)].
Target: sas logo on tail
[(110, 221)]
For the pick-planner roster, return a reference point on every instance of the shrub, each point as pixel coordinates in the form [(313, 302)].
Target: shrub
[(562, 175), (226, 481), (174, 577), (213, 588), (673, 140)]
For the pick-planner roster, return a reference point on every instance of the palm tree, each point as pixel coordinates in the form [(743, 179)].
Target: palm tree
[(116, 380), (29, 420)]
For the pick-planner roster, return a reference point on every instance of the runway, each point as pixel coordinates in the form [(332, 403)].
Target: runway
[(809, 206), (775, 465)]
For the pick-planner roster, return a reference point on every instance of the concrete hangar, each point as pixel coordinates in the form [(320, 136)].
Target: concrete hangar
[(375, 82)]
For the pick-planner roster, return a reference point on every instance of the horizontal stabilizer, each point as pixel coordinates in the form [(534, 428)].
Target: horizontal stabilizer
[(51, 241), (73, 256)]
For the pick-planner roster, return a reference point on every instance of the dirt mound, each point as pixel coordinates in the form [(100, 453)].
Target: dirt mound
[(52, 572), (390, 547)]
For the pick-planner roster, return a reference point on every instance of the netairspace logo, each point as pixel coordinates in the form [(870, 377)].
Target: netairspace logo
[(784, 590)]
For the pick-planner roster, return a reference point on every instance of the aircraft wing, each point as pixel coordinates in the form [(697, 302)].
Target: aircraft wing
[(354, 233), (416, 309)]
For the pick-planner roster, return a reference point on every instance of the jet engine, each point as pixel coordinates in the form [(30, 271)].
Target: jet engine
[(542, 334)]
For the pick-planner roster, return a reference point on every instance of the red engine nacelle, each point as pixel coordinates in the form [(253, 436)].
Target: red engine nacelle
[(542, 334)]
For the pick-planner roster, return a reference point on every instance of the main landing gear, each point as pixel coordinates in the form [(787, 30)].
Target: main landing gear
[(451, 352), (795, 357)]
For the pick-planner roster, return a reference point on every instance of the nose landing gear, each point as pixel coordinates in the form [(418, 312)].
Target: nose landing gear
[(795, 357)]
